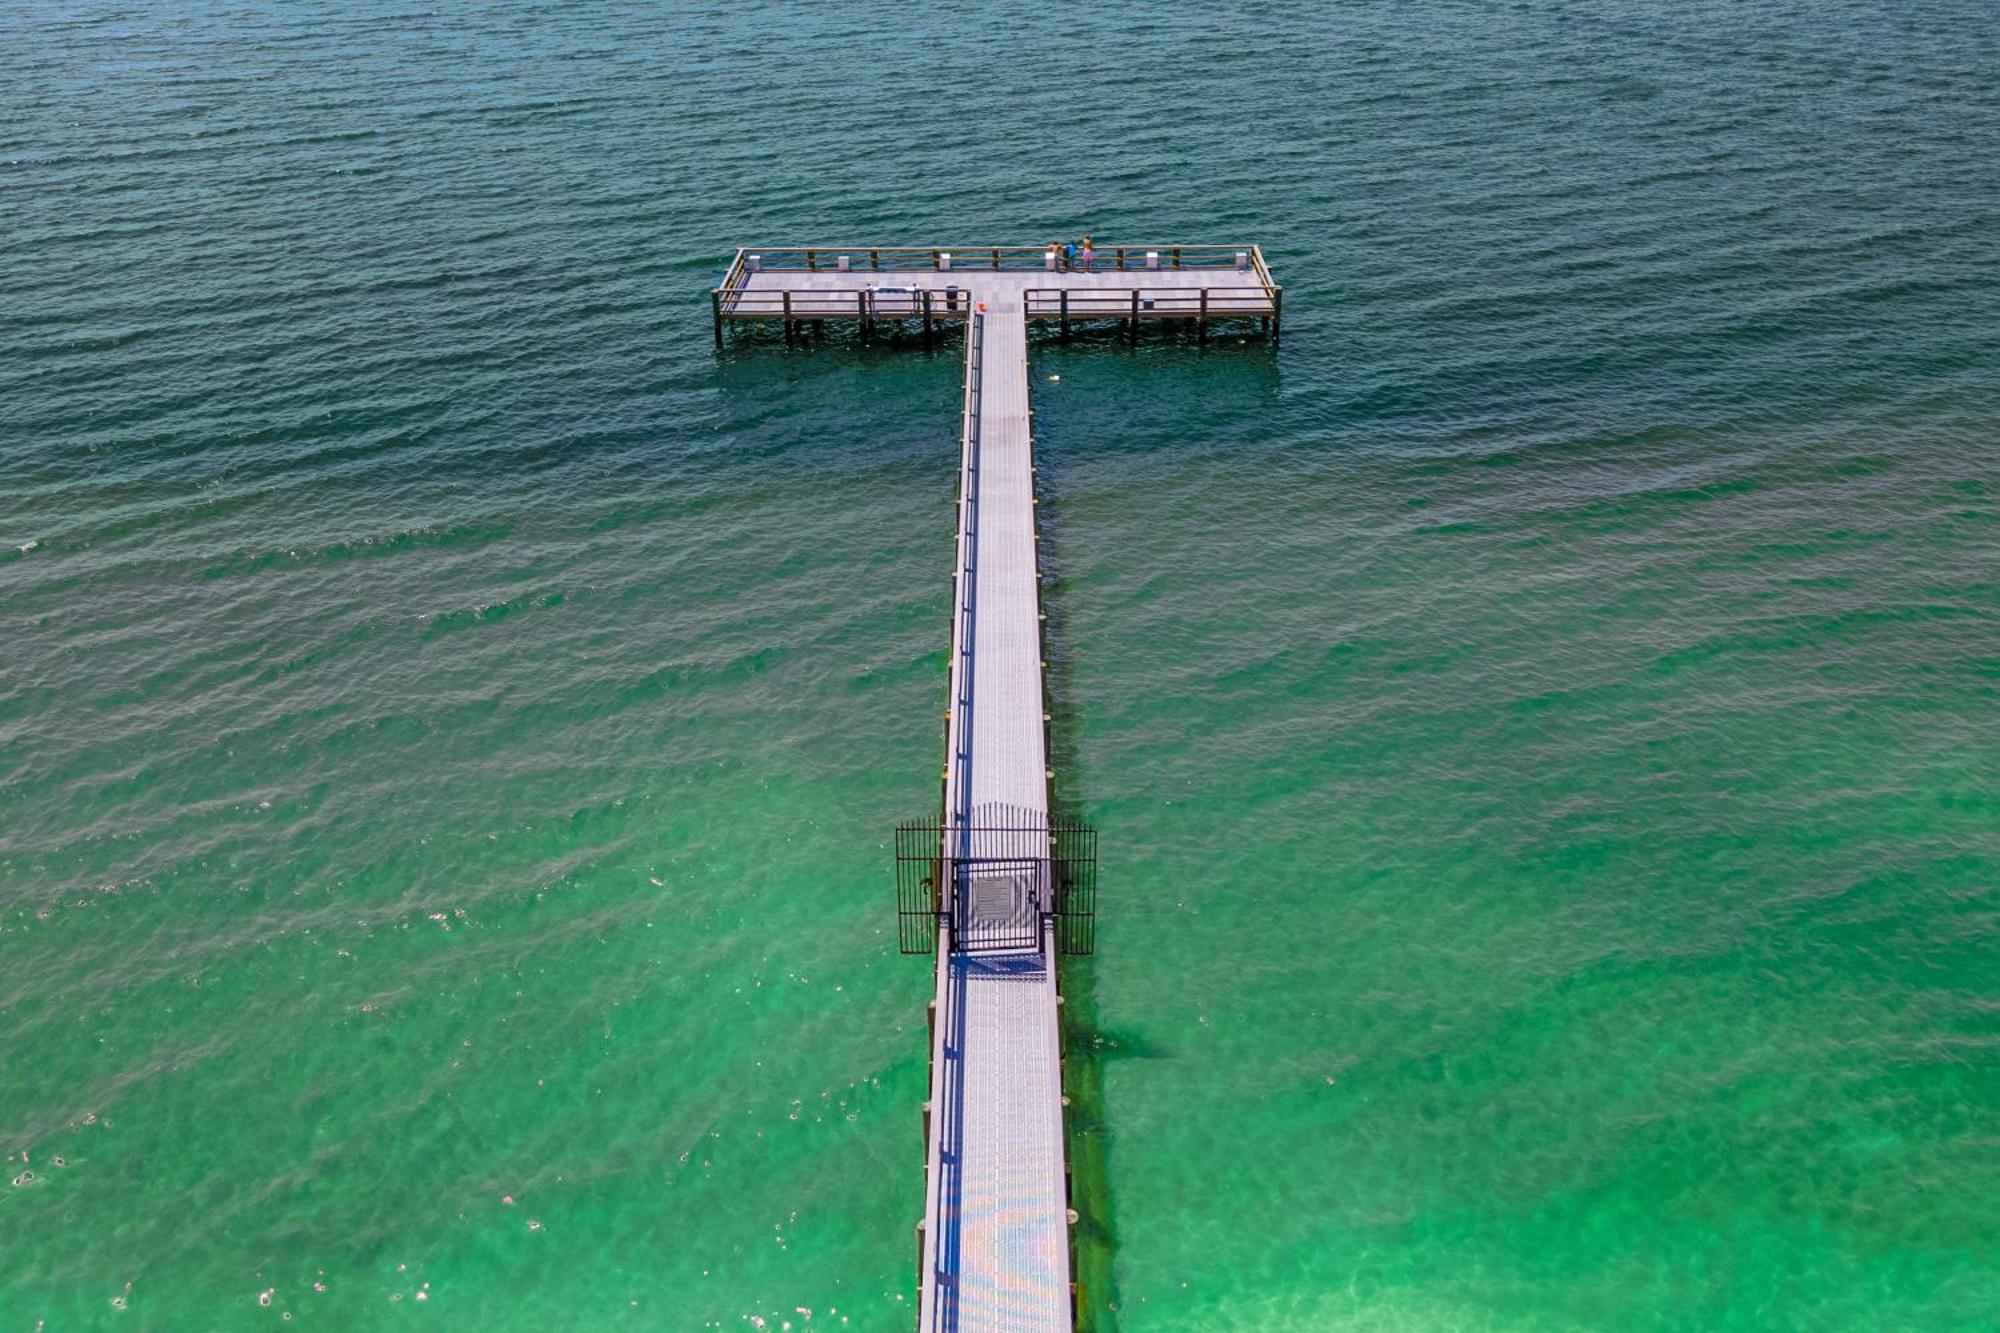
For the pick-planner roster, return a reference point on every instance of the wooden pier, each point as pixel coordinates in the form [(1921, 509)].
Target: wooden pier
[(994, 885), (925, 287)]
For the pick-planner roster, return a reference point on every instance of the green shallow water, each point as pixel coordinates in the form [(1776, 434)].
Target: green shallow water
[(1541, 720)]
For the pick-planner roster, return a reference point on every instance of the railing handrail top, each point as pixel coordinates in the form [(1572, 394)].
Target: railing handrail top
[(830, 296), (1041, 247), (1175, 293), (847, 294)]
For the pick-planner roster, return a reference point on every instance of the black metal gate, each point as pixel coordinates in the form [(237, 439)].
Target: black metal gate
[(999, 880), (919, 885), (994, 887), (1073, 875)]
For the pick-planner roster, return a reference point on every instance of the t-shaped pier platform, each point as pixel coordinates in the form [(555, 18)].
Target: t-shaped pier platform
[(994, 885)]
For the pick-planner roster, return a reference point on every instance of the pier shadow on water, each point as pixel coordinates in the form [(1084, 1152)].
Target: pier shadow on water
[(1088, 1046)]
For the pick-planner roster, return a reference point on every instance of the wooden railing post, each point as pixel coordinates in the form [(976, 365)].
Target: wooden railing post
[(1120, 252), (875, 259), (996, 256), (1177, 256), (812, 260)]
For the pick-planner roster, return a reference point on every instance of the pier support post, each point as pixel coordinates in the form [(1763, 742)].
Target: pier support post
[(1062, 297), (1201, 320), (1277, 314), (927, 317), (715, 298), (861, 305), (1132, 329), (788, 316)]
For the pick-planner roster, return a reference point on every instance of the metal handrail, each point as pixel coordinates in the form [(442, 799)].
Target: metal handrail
[(957, 807), (956, 821), (806, 302), (1102, 302), (987, 257), (802, 303), (730, 291)]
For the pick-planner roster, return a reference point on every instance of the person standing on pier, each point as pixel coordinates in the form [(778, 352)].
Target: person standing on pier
[(1088, 254), (1069, 256), (1058, 256)]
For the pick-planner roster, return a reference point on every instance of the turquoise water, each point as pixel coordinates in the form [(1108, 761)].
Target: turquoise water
[(1541, 720)]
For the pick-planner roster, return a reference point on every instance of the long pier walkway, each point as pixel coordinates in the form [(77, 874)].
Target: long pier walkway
[(994, 886), (996, 1230)]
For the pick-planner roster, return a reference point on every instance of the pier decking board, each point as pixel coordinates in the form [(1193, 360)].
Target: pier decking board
[(996, 1231), (1097, 295)]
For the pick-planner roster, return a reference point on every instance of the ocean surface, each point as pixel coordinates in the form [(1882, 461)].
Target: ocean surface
[(1541, 718)]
